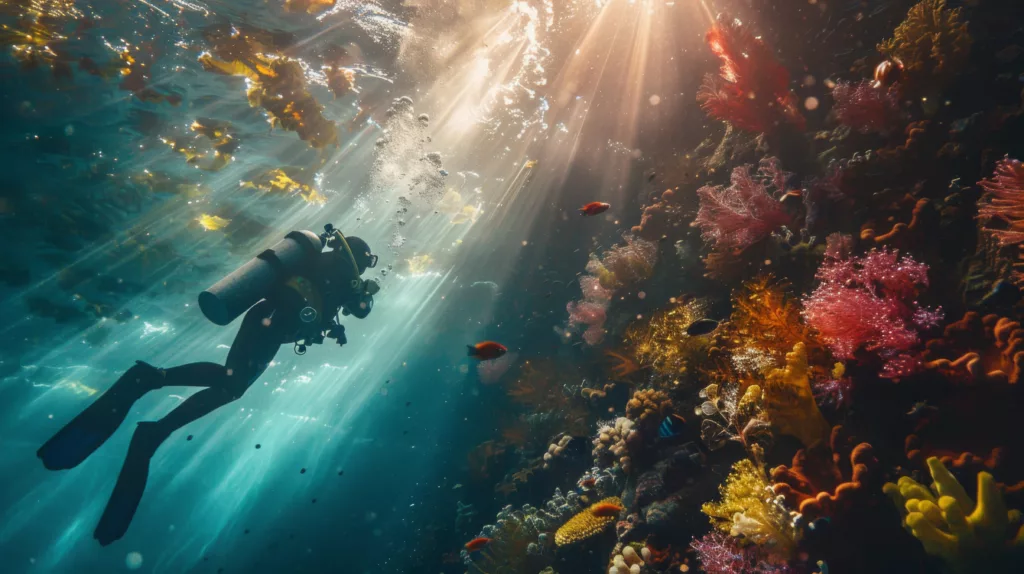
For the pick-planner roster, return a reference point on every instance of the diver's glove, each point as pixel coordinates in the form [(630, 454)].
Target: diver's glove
[(337, 332), (371, 286)]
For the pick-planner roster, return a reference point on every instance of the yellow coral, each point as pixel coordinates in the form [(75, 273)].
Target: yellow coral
[(789, 401), (932, 43), (586, 523), (212, 222), (969, 537), (648, 407), (749, 509), (662, 344)]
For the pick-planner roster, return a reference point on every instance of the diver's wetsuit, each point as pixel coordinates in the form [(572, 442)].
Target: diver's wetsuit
[(274, 321)]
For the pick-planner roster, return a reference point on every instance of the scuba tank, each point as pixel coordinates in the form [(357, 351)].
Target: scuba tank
[(235, 294)]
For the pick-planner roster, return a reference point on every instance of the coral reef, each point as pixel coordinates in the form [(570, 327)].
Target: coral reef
[(661, 343), (1001, 210), (788, 400), (868, 304), (611, 443), (978, 348), (588, 523), (866, 107), (735, 217), (932, 44), (733, 417), (628, 561), (752, 88), (647, 408), (749, 509), (825, 480), (720, 553), (968, 535), (663, 219)]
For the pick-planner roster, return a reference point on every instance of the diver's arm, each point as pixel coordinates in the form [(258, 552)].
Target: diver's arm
[(362, 304)]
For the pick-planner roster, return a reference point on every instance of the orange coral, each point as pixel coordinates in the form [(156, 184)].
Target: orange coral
[(587, 523), (899, 234), (826, 479), (662, 219), (623, 366), (989, 349)]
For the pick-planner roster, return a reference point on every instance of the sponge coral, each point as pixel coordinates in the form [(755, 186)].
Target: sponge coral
[(826, 479), (648, 408), (989, 348), (752, 90), (789, 400), (588, 523), (610, 443), (932, 44), (968, 535), (748, 508)]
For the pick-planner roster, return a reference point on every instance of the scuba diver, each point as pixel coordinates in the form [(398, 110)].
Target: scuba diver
[(290, 293)]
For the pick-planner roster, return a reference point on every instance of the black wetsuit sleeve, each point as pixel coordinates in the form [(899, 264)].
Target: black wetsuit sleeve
[(360, 306)]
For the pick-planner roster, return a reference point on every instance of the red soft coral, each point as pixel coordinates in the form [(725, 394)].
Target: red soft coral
[(720, 553), (867, 303), (1002, 208), (752, 91), (865, 107), (736, 217)]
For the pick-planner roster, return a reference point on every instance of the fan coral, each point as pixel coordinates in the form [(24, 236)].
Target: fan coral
[(867, 303), (749, 509), (967, 536), (752, 90), (648, 408), (989, 348), (789, 401), (587, 523), (865, 107), (932, 44), (723, 554), (736, 217), (610, 444), (1001, 209), (661, 342), (826, 480)]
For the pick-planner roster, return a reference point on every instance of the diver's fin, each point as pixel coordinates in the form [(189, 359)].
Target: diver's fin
[(93, 426), (131, 483)]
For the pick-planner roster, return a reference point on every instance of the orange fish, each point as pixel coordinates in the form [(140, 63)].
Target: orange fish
[(477, 544), (606, 509), (588, 482), (593, 208), (487, 350)]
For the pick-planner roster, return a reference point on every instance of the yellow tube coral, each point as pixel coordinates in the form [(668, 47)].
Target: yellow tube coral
[(969, 537), (749, 508), (589, 522), (789, 401)]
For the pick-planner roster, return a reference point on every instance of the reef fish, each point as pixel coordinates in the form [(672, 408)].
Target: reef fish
[(594, 208), (671, 426), (701, 327), (486, 351), (588, 482), (606, 509), (477, 544)]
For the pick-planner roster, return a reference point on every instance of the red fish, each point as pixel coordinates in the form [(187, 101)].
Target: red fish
[(477, 544), (594, 208), (487, 350), (606, 509), (588, 483)]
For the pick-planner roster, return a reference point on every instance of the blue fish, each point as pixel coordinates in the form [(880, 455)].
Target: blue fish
[(671, 426)]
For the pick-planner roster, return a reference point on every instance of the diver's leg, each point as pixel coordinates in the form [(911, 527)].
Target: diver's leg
[(254, 347)]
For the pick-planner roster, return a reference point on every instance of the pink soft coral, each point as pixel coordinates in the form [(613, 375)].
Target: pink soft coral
[(752, 90), (1004, 202), (720, 553), (868, 303), (736, 217), (865, 107)]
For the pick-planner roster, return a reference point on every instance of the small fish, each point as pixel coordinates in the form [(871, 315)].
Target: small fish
[(701, 327), (671, 426), (486, 350), (920, 409), (588, 482), (606, 509), (594, 208), (477, 544), (457, 486)]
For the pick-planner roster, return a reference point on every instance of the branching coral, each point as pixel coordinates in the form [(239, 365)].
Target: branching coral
[(648, 408), (720, 553), (750, 509), (988, 349), (865, 107), (968, 535), (1001, 209), (588, 523), (932, 44), (789, 402), (661, 343), (752, 89), (827, 479), (610, 444), (868, 303), (736, 217), (662, 219)]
